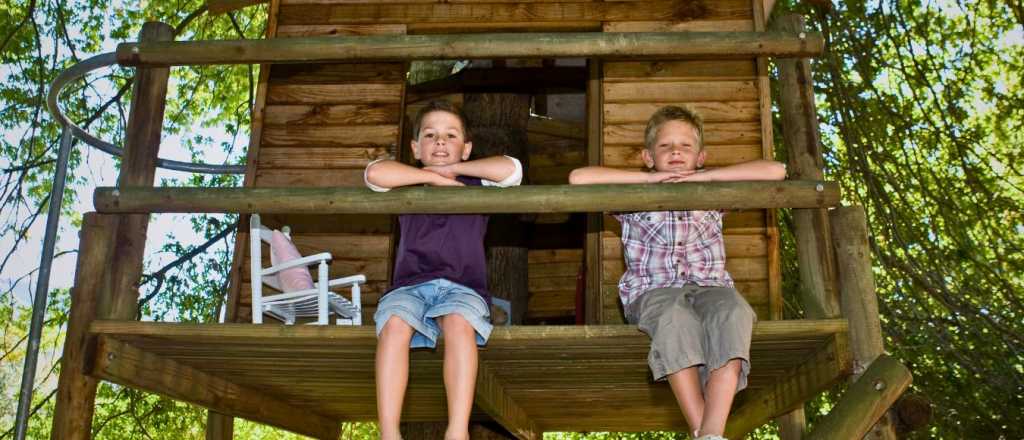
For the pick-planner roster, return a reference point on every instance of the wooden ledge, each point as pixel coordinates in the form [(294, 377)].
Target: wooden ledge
[(428, 200), (534, 378)]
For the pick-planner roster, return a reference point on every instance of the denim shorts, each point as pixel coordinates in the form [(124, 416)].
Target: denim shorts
[(420, 304)]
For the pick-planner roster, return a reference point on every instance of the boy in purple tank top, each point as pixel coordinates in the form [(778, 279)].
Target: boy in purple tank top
[(440, 279)]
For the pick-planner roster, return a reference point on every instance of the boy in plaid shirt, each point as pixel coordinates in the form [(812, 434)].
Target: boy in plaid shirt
[(676, 288)]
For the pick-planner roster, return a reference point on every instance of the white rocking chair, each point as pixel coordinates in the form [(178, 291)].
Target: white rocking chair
[(317, 302)]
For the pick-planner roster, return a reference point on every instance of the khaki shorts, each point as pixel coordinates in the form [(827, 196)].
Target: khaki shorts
[(695, 326)]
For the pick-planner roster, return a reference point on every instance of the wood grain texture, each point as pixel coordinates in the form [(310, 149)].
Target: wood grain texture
[(125, 364), (691, 70), (76, 390), (326, 115), (711, 111), (330, 136), (138, 168), (565, 378), (647, 92), (334, 94), (680, 26), (306, 13), (337, 73), (305, 199), (330, 49)]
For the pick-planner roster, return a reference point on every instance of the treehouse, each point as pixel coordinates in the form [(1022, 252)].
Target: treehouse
[(574, 82)]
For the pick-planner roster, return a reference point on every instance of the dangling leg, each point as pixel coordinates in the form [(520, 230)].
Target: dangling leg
[(677, 337), (685, 386), (392, 370), (728, 324), (460, 366), (718, 397)]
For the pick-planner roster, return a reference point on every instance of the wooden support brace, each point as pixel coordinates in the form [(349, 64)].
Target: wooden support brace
[(76, 391), (331, 49), (865, 401), (492, 398), (122, 363), (424, 200), (828, 365)]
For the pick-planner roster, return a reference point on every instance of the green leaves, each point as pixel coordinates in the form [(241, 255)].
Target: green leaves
[(917, 99)]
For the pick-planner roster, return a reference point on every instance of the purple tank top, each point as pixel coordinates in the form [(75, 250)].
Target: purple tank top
[(449, 246)]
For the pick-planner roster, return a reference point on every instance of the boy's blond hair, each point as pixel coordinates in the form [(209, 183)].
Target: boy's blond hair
[(673, 113), (440, 105)]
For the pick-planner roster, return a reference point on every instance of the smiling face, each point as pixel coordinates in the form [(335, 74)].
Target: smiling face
[(441, 140), (676, 147)]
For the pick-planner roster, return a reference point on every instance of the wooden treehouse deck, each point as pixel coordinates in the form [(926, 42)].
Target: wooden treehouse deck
[(332, 96), (532, 378)]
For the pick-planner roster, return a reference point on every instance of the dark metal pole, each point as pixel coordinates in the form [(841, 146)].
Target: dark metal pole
[(28, 374)]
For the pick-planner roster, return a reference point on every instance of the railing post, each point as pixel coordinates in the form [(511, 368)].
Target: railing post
[(76, 391), (859, 299), (810, 226), (593, 301), (138, 168)]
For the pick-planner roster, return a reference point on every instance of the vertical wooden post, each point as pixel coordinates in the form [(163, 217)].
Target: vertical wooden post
[(814, 254), (138, 167), (810, 226), (76, 391), (859, 300), (593, 304), (219, 426)]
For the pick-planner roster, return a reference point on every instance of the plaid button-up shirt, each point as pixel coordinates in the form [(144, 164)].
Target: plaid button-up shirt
[(670, 249)]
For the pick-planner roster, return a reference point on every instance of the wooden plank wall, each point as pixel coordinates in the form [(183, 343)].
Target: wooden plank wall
[(322, 124), (556, 148), (731, 96)]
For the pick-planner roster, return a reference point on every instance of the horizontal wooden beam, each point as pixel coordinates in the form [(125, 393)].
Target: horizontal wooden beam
[(124, 364), (805, 329), (865, 401), (505, 80), (427, 200), (492, 398), (327, 49)]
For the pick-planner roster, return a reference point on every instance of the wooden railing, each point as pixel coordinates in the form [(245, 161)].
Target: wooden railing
[(605, 45), (425, 200)]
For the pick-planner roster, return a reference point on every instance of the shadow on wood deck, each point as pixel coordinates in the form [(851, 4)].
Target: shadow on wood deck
[(532, 378)]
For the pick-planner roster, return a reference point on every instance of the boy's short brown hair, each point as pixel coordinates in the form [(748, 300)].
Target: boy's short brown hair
[(440, 105), (673, 113)]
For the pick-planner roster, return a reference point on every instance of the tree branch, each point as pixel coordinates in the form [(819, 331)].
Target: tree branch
[(159, 275)]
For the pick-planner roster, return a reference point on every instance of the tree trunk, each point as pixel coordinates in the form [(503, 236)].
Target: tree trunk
[(497, 125)]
